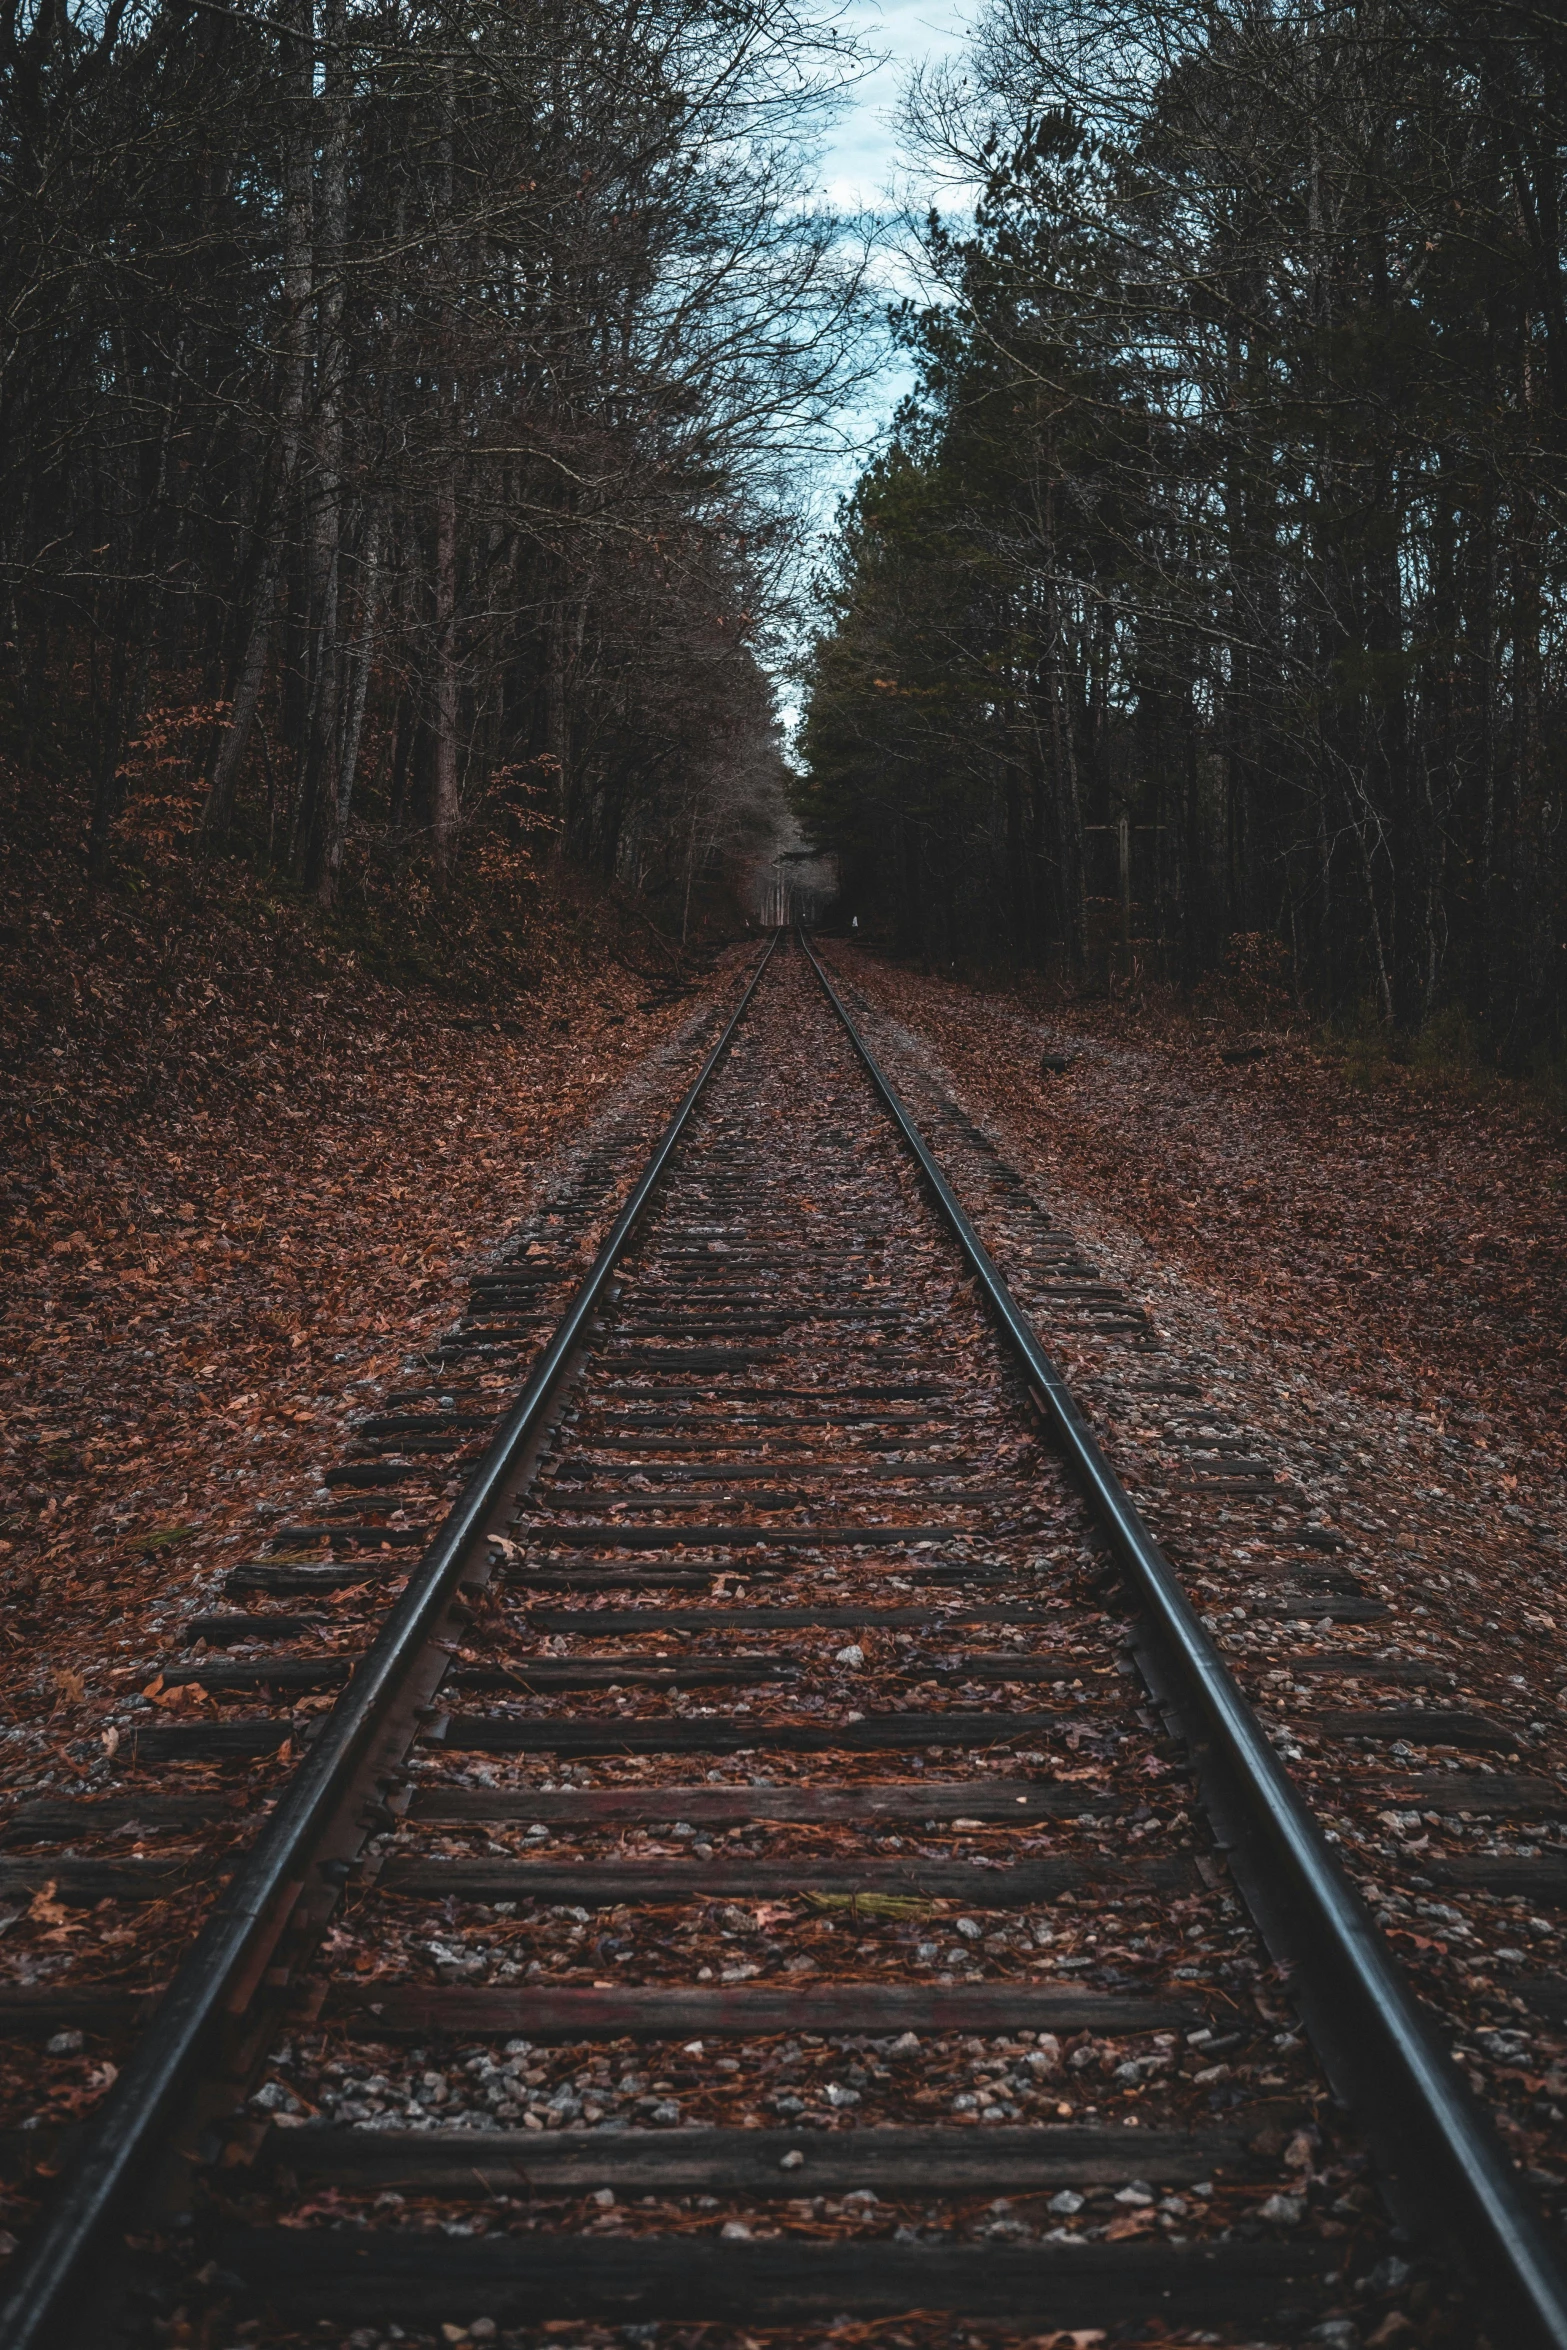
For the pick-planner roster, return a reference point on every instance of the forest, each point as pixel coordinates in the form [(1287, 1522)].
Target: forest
[(410, 414), (1205, 605), (398, 410)]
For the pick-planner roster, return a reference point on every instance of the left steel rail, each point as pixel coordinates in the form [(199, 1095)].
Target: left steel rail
[(128, 2137)]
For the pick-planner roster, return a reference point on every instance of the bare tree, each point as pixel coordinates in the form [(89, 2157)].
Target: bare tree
[(401, 382)]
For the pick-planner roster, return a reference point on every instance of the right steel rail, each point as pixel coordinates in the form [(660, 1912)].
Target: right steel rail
[(1440, 2159)]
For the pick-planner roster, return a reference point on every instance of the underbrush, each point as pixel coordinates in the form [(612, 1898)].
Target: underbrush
[(1449, 1056), (508, 916), (1250, 1003), (165, 982)]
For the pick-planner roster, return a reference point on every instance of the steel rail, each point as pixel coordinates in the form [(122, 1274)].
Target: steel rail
[(1401, 2086), (129, 2131)]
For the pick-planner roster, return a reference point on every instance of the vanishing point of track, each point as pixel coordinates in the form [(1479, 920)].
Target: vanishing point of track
[(774, 1799)]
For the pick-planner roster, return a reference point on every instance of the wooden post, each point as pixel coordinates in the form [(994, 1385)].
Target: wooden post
[(1123, 828)]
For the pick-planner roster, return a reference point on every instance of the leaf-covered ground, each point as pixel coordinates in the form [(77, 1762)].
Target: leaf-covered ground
[(241, 1178), (1407, 1233)]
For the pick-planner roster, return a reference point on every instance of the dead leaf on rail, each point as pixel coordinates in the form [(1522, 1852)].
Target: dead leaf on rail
[(44, 1910)]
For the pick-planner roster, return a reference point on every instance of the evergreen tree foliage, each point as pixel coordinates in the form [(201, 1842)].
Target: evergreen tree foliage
[(1224, 526)]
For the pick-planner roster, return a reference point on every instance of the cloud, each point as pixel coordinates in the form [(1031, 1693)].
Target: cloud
[(861, 160)]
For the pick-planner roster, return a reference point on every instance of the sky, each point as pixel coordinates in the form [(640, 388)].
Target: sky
[(861, 160), (862, 170), (862, 173)]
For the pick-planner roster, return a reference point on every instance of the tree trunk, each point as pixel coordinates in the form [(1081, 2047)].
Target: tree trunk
[(353, 722), (445, 815), (321, 779), (275, 504), (446, 700), (223, 785)]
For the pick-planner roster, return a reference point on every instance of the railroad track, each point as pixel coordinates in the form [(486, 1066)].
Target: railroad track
[(785, 1806)]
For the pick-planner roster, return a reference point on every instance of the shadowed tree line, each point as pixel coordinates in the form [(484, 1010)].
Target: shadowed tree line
[(399, 401), (1223, 530)]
